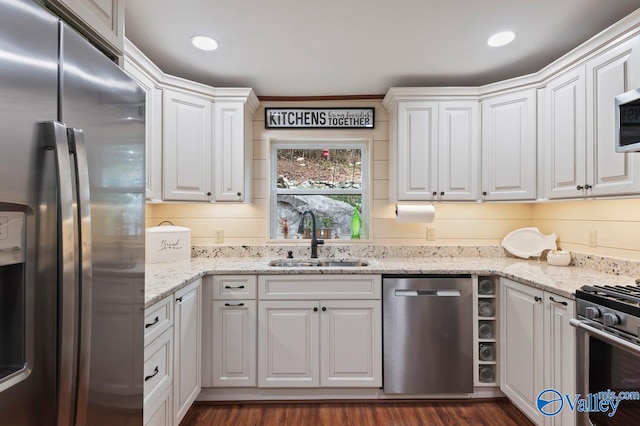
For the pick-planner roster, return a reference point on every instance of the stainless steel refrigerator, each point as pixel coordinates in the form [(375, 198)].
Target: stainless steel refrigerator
[(71, 227)]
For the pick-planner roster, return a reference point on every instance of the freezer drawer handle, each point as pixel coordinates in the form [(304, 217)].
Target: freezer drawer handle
[(231, 304), (151, 324), (437, 293), (231, 287), (155, 373)]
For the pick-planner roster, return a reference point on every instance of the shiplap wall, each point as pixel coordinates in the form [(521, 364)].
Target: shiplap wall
[(617, 221)]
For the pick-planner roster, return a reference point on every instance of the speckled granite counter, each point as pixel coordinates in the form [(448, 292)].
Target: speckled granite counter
[(162, 279)]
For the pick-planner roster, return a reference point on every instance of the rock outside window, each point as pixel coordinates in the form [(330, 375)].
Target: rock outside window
[(327, 176)]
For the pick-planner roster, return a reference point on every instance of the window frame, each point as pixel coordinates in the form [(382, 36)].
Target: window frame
[(364, 144)]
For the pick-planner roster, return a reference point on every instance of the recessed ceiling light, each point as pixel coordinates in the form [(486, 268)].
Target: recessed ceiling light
[(204, 42), (501, 39)]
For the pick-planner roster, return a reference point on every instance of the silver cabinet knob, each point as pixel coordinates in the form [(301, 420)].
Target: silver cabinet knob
[(611, 319), (593, 313)]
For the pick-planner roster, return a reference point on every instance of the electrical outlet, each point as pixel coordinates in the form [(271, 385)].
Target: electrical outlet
[(431, 234), (593, 238), (218, 235)]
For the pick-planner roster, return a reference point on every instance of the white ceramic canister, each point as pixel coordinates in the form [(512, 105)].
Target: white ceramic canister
[(559, 258)]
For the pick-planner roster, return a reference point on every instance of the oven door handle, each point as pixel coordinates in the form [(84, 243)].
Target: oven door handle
[(606, 337)]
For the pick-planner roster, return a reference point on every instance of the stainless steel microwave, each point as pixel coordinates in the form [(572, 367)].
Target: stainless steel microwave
[(628, 121)]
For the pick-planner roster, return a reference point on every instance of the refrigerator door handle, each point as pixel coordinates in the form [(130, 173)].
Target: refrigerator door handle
[(55, 138), (77, 147)]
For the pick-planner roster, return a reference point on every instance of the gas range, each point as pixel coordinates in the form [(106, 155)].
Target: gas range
[(616, 309)]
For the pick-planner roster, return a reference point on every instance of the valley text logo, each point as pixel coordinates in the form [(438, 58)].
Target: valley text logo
[(319, 118), (550, 402)]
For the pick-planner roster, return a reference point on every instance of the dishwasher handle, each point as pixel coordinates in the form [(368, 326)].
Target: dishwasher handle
[(437, 293)]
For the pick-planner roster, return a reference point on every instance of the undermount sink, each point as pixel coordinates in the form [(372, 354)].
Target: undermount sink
[(291, 263), (321, 263), (340, 263)]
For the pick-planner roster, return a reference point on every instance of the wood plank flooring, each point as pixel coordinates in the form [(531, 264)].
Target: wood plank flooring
[(489, 412)]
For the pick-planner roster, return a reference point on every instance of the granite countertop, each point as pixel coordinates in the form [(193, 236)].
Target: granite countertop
[(163, 279)]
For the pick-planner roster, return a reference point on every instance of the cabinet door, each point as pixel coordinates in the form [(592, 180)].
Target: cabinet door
[(564, 135), (288, 339), (522, 356), (509, 146), (234, 343), (102, 19), (351, 343), (416, 152), (458, 151), (611, 73), (153, 130), (187, 139), (230, 149), (187, 347), (560, 356)]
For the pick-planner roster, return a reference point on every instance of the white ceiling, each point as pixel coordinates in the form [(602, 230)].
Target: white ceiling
[(361, 47)]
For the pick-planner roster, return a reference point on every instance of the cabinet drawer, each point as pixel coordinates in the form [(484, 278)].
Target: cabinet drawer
[(157, 319), (158, 412), (231, 287), (158, 366), (319, 287)]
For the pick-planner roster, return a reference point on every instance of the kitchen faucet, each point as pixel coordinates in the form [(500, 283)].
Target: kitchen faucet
[(314, 240)]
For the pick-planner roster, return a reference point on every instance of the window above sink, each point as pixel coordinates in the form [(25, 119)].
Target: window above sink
[(330, 177)]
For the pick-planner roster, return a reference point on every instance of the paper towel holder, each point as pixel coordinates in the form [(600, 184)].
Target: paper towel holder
[(414, 212)]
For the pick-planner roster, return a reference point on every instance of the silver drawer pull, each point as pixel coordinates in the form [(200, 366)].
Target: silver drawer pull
[(437, 293)]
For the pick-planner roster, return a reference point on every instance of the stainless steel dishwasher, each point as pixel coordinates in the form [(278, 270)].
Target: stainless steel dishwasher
[(427, 334)]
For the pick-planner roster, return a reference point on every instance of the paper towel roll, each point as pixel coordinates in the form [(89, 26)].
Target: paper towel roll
[(415, 213)]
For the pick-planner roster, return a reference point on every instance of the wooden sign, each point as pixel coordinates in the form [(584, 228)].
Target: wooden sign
[(319, 118)]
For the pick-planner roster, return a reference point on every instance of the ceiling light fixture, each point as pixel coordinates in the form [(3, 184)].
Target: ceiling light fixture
[(501, 39), (204, 42)]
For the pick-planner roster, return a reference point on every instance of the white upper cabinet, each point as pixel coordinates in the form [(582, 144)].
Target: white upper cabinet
[(232, 151), (579, 127), (102, 20), (509, 146), (459, 151), (564, 135), (414, 150), (153, 128), (199, 138), (615, 71), (187, 140), (434, 150)]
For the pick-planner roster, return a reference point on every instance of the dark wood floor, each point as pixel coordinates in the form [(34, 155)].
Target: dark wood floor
[(493, 412)]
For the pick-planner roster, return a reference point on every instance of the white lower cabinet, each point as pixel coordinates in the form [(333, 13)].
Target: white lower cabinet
[(187, 349), (288, 342), (160, 411), (158, 364), (318, 334), (560, 353), (350, 333), (229, 331), (538, 349)]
